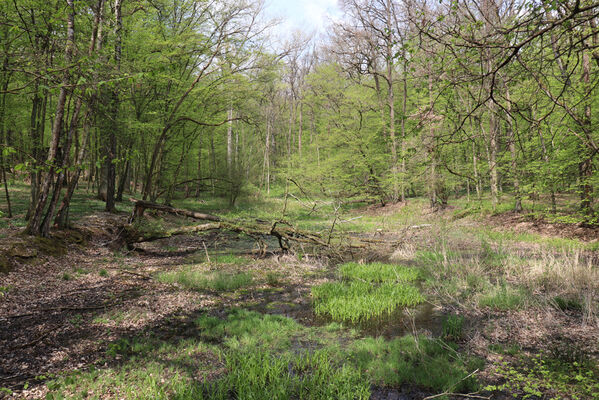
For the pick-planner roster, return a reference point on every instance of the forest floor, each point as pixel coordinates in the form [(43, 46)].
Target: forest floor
[(510, 311)]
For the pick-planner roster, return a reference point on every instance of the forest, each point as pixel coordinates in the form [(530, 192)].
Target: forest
[(197, 203)]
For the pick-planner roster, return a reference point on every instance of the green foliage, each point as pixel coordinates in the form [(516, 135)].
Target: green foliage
[(434, 257), (250, 329), (198, 280), (548, 378), (230, 259), (273, 278), (4, 290), (511, 349), (565, 304)]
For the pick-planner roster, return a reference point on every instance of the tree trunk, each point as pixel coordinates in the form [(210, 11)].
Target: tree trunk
[(299, 132), (61, 219), (111, 153), (404, 108), (230, 145), (198, 186), (513, 154), (493, 173), (34, 227), (585, 167), (3, 131)]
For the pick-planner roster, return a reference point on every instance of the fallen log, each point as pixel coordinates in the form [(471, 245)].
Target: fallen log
[(141, 206), (282, 230)]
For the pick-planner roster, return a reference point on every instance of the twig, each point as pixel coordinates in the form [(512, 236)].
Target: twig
[(206, 250), (464, 395), (447, 393)]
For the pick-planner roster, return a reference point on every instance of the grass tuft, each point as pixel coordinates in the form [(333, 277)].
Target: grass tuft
[(504, 297), (359, 301)]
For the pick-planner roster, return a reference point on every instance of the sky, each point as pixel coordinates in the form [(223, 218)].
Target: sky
[(310, 16)]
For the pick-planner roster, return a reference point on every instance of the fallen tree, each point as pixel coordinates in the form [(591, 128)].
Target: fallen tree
[(280, 229)]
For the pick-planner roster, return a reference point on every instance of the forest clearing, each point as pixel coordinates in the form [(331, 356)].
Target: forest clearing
[(299, 199), (486, 306)]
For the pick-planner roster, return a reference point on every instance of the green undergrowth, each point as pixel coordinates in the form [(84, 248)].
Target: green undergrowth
[(559, 243), (287, 376), (548, 378), (504, 297), (420, 361), (368, 291), (378, 272), (200, 280), (247, 355)]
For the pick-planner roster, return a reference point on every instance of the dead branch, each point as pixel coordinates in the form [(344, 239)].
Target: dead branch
[(280, 229)]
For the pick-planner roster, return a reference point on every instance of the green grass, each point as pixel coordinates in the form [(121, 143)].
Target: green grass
[(255, 360), (368, 291), (435, 257), (378, 272), (256, 375), (504, 297), (229, 259), (199, 280), (559, 243), (248, 355), (4, 290), (428, 363), (453, 327), (359, 301), (244, 328), (564, 304), (83, 203)]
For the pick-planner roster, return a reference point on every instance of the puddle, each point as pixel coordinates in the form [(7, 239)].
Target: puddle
[(422, 319)]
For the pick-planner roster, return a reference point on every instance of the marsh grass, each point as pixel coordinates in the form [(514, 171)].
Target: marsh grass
[(256, 375), (359, 301), (428, 363), (229, 259), (244, 328), (248, 355), (367, 291), (199, 280), (453, 327)]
